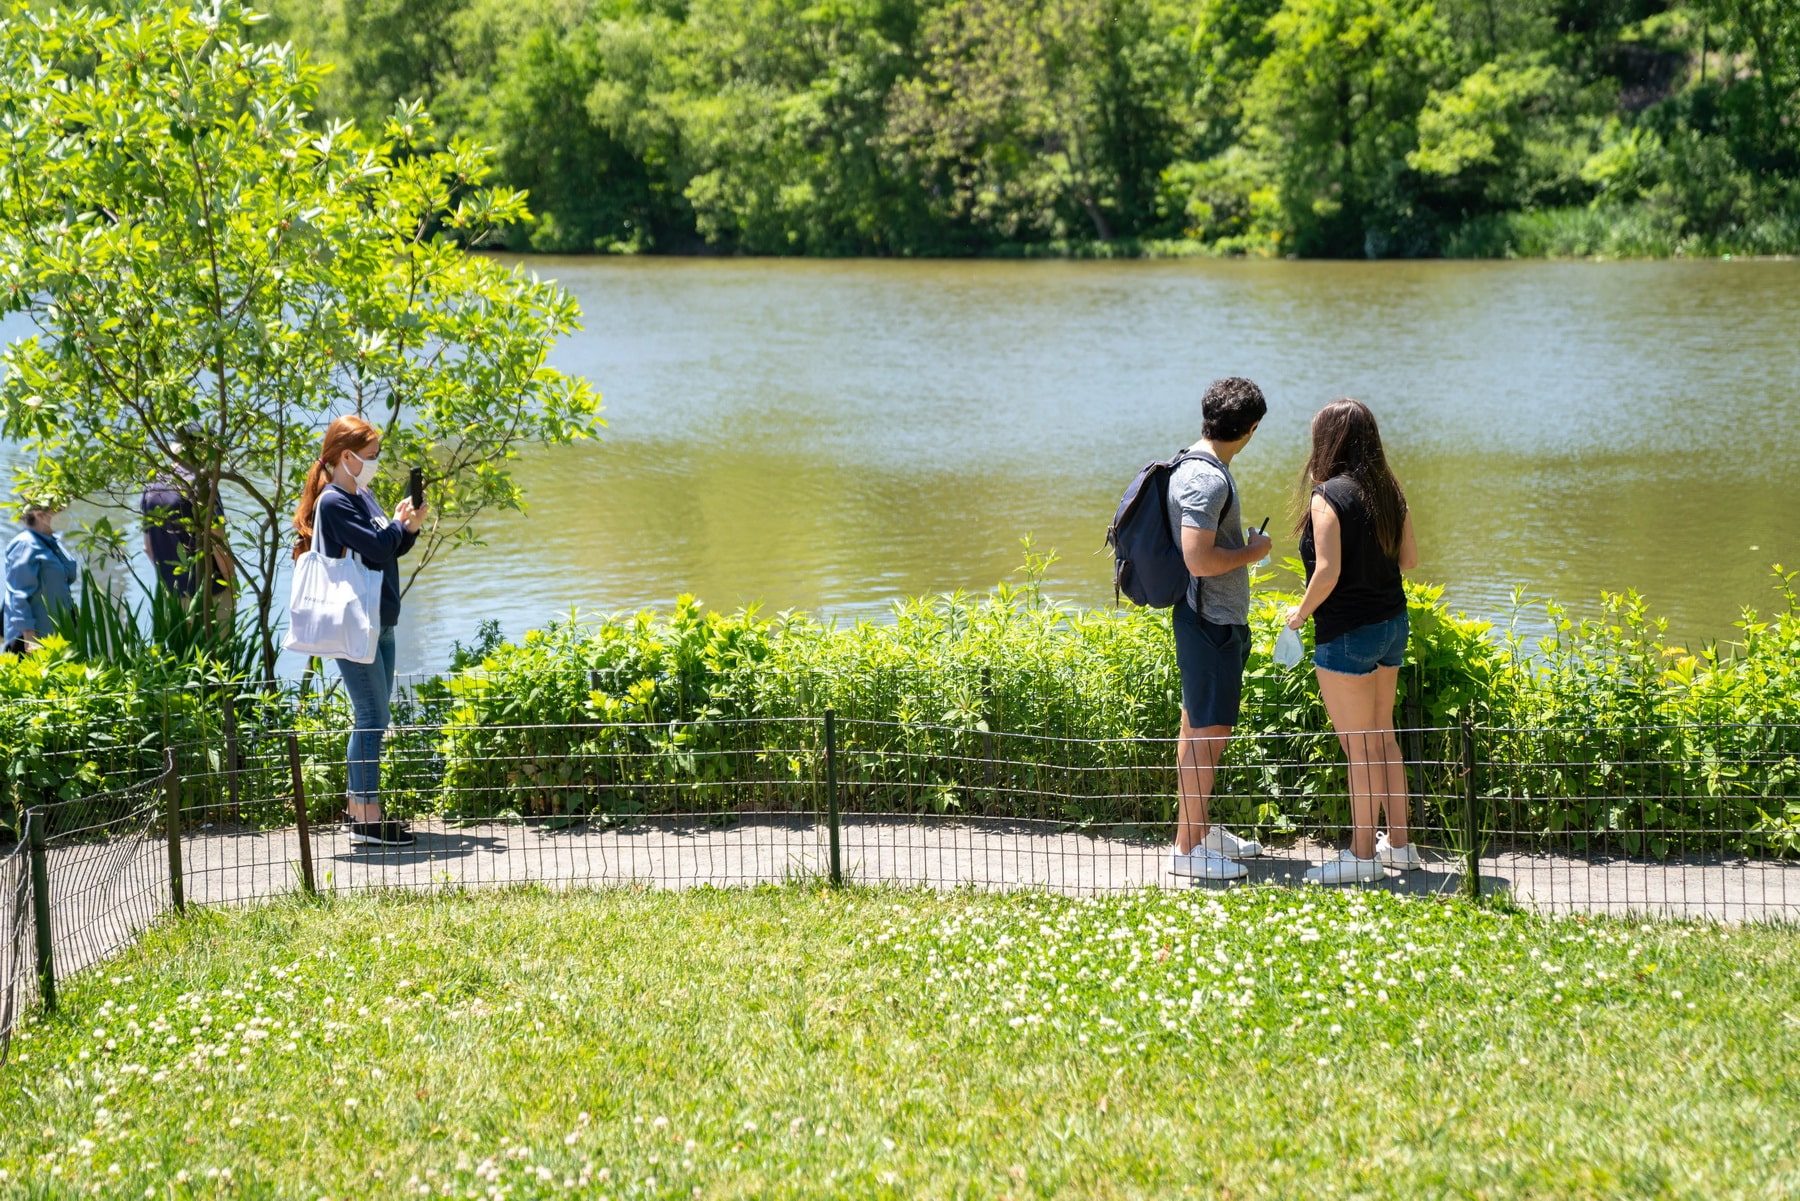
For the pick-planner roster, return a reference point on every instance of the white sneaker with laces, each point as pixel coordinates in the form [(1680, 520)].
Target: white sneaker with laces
[(1346, 869), (1401, 859), (1203, 864), (1223, 842)]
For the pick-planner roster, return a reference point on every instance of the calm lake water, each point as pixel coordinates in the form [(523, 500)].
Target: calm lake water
[(833, 436)]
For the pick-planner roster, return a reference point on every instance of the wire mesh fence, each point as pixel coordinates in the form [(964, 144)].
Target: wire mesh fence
[(1690, 821), (1700, 819), (106, 879), (79, 887)]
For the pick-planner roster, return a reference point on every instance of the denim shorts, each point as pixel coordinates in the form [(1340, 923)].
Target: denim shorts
[(1212, 659), (1362, 650)]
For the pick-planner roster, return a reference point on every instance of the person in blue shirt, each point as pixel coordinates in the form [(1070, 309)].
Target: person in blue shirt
[(338, 510), (40, 576)]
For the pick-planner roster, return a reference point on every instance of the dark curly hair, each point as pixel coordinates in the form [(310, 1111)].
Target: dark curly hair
[(1230, 407)]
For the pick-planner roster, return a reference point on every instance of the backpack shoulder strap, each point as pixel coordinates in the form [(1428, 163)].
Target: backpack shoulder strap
[(1206, 456)]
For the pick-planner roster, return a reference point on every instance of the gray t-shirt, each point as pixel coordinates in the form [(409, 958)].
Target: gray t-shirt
[(1204, 496)]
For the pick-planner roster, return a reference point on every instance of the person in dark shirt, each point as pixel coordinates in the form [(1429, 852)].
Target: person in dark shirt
[(339, 513), (169, 532), (1356, 537), (171, 541)]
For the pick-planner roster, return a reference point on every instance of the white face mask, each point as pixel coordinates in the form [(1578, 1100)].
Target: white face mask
[(365, 474)]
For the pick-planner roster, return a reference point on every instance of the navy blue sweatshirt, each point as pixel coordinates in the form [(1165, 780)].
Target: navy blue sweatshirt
[(355, 522)]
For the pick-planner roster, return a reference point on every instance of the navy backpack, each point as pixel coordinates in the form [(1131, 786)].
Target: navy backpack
[(1148, 567)]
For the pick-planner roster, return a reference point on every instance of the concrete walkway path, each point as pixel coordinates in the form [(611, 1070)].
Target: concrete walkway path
[(105, 892)]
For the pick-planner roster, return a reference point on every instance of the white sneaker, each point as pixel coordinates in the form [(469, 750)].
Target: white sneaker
[(1346, 869), (1401, 859), (1203, 864), (1223, 842)]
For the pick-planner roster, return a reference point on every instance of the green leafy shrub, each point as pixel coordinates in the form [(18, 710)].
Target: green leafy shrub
[(1002, 704), (1622, 739), (69, 729), (1604, 735)]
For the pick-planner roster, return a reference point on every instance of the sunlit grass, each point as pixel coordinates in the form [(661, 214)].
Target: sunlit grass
[(788, 1042)]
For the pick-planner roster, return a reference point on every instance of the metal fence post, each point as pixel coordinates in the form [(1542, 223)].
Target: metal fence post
[(989, 720), (1414, 751), (40, 907), (172, 826), (831, 796), (1471, 831), (301, 826), (233, 762)]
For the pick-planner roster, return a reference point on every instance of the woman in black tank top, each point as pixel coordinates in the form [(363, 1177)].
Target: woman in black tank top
[(1356, 537)]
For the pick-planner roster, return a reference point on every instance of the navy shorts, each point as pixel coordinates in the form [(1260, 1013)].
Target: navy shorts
[(1212, 659), (1360, 651)]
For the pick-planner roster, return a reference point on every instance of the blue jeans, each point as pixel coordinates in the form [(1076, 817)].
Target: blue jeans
[(370, 687), (1360, 651)]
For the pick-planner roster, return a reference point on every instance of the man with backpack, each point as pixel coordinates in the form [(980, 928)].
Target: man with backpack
[(1212, 621), (1178, 543)]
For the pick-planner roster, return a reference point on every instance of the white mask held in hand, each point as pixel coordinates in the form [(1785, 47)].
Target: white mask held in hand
[(1288, 648), (364, 475)]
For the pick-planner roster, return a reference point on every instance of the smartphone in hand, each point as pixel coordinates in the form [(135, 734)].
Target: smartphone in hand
[(415, 487)]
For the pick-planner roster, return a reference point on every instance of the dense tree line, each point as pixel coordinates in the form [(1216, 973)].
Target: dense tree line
[(1318, 127)]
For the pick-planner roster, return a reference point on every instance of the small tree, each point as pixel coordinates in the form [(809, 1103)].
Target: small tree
[(194, 255)]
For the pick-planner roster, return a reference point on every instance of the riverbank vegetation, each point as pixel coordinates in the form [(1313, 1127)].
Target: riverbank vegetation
[(1605, 732), (801, 1043), (951, 127)]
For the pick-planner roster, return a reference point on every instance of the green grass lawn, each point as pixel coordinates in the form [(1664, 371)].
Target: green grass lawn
[(784, 1042)]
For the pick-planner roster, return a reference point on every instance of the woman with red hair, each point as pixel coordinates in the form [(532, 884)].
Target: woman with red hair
[(337, 507)]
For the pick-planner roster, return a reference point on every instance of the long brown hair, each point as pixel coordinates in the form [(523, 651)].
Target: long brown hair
[(1346, 441), (347, 433)]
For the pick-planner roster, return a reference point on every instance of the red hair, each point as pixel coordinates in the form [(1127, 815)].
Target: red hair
[(347, 433)]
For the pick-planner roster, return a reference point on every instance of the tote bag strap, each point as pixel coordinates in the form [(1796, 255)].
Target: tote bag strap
[(319, 537)]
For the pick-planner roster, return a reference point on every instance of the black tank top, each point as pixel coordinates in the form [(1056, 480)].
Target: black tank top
[(1368, 588)]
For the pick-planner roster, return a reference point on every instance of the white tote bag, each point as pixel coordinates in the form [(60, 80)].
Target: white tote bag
[(334, 609)]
